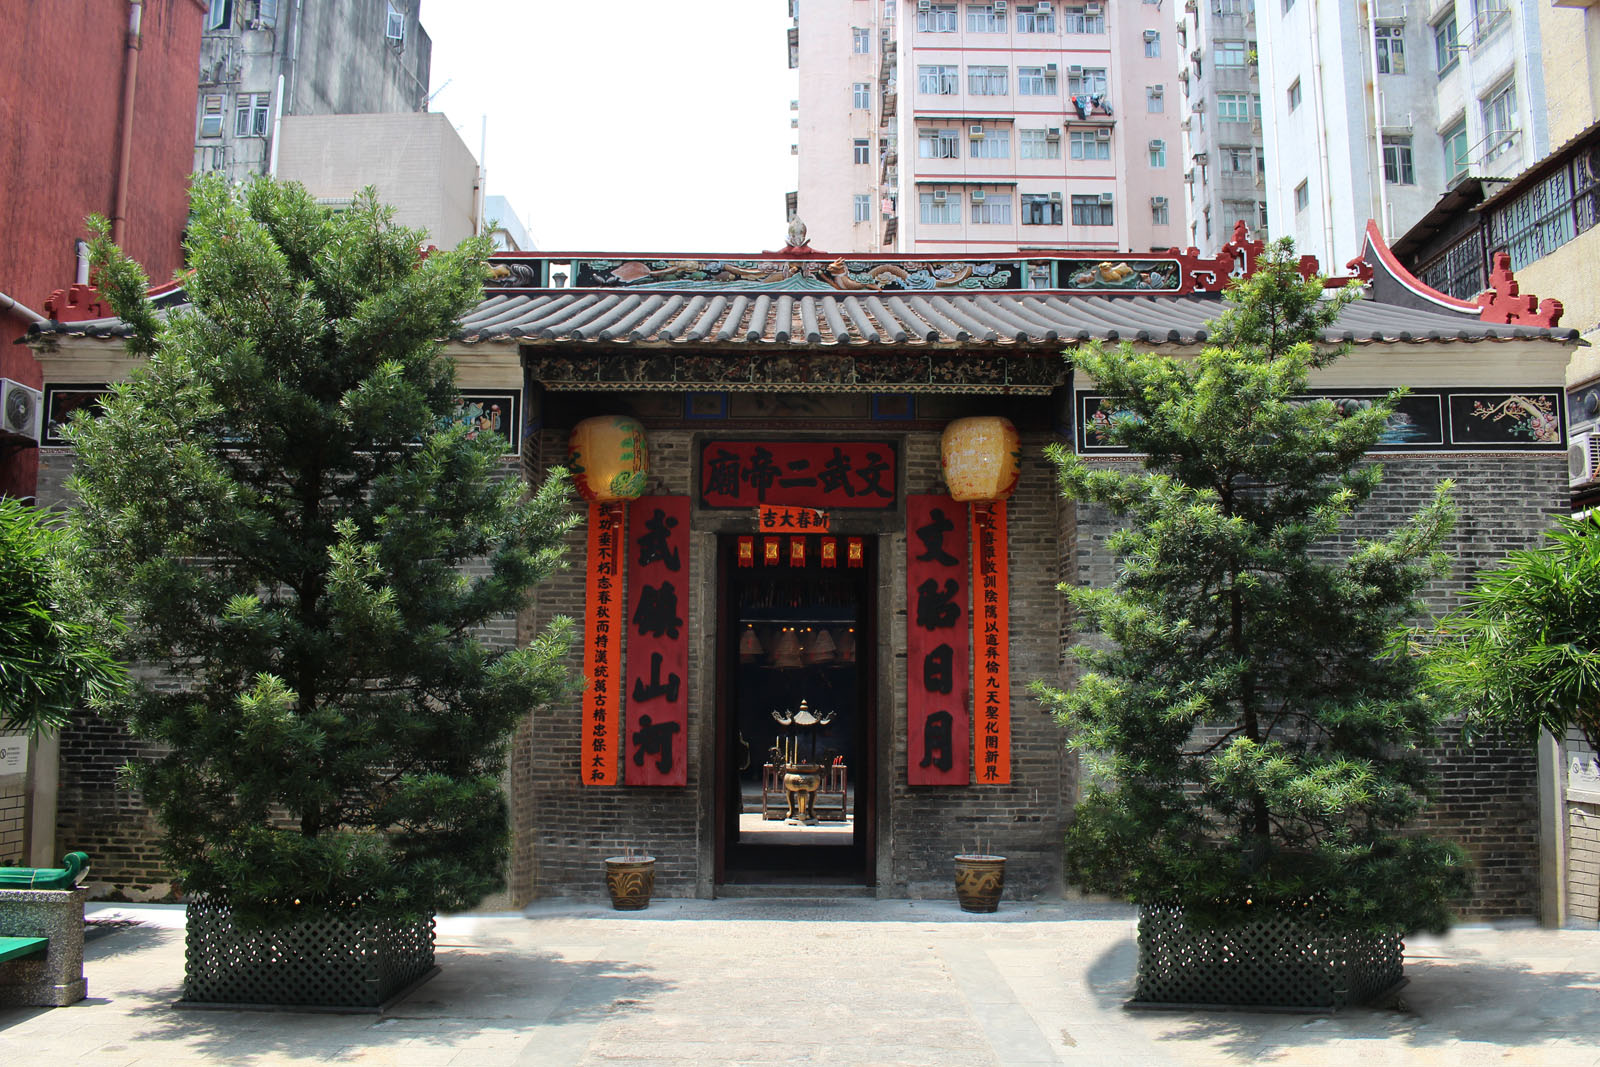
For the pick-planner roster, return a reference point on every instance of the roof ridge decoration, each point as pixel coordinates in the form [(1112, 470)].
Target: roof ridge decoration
[(1501, 304)]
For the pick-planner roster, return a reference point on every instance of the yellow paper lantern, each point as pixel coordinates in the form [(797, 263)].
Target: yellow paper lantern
[(981, 457), (608, 459)]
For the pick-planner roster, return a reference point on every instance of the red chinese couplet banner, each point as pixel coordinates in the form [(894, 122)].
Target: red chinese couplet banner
[(815, 474), (658, 642), (991, 626), (937, 722), (604, 613)]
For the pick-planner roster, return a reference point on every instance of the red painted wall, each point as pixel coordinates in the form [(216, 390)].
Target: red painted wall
[(61, 78)]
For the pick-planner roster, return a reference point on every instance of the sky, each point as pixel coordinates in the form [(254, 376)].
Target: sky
[(624, 125)]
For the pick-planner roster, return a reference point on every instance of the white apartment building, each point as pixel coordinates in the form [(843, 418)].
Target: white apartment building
[(1376, 108), (1222, 155), (963, 127)]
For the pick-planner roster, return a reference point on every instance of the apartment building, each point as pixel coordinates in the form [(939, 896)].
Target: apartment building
[(263, 59), (1222, 154), (928, 126), (1377, 108)]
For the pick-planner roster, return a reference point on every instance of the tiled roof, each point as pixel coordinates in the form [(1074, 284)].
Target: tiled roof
[(957, 319), (964, 319)]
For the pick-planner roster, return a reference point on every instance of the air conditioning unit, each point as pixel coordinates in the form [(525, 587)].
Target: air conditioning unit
[(1075, 71), (1092, 9), (1185, 125), (1202, 158), (1196, 56), (21, 410), (1055, 198), (924, 5), (1106, 198), (975, 132), (1050, 68), (1053, 133), (999, 7), (1191, 6), (1255, 125), (977, 196), (940, 196), (1043, 7), (1188, 177), (1151, 35), (1583, 459), (1183, 75), (1158, 201), (1102, 135), (1158, 90)]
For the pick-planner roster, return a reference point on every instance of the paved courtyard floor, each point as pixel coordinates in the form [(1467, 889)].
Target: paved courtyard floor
[(823, 983)]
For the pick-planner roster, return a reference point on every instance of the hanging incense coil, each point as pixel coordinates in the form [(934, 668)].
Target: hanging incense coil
[(820, 647), (786, 650), (750, 650), (847, 646)]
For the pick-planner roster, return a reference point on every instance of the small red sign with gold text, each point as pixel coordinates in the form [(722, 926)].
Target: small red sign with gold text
[(792, 520)]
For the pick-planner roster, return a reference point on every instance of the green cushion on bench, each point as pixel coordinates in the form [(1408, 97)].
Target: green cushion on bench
[(16, 947)]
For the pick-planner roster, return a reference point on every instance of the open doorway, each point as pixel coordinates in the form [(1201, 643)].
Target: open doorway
[(796, 652)]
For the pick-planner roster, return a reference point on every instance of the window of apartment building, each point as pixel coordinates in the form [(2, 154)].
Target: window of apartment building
[(861, 151), (1036, 81), (1092, 210), (1446, 44), (1086, 81), (1231, 54), (993, 144), (986, 81), (1152, 44), (1233, 107), (862, 204), (1553, 211), (938, 80), (1499, 120), (1032, 20), (1155, 99), (1083, 18), (250, 114), (993, 210), (983, 18), (1295, 94), (1091, 144), (1261, 220), (938, 208), (1232, 7), (1206, 214), (1041, 209), (1158, 153), (1302, 196), (211, 115), (938, 144), (1237, 160), (394, 27), (1287, 4), (942, 18), (219, 15), (1255, 106), (861, 96), (1159, 213), (1487, 16), (1397, 168), (1261, 162), (860, 40), (1455, 151), (1039, 144), (1390, 42)]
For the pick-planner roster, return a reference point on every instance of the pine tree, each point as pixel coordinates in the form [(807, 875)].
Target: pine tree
[(306, 549), (1255, 724)]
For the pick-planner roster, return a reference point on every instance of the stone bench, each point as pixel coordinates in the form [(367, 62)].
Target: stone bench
[(41, 936)]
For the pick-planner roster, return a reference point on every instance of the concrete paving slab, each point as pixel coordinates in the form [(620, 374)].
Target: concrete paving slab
[(845, 983)]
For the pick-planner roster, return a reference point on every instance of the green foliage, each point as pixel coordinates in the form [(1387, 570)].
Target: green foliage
[(50, 662), (1523, 655), (1255, 729), (298, 538)]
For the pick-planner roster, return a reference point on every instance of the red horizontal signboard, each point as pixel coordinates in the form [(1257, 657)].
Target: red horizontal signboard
[(814, 474)]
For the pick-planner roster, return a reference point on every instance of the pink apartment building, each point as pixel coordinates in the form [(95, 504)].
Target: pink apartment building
[(938, 126)]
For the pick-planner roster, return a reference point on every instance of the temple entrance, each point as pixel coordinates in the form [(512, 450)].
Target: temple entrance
[(796, 656)]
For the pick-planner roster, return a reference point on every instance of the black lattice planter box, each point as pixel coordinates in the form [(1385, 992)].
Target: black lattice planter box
[(350, 961), (1276, 962)]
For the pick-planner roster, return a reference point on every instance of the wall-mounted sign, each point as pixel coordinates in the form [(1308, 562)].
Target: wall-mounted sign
[(814, 474), (64, 400), (656, 752), (791, 520), (605, 614), (991, 630), (13, 755), (937, 721), (485, 414)]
